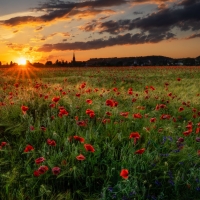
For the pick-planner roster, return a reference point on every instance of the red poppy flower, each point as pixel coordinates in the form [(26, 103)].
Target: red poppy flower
[(80, 139), (55, 99), (135, 135), (111, 103), (89, 147), (130, 91), (32, 128), (137, 115), (24, 109), (52, 105), (51, 142), (78, 95), (3, 144), (140, 151), (152, 88), (153, 119), (124, 173), (108, 113), (134, 100), (178, 79), (42, 169), (56, 170), (188, 132), (39, 160), (165, 116), (43, 128), (62, 112), (89, 101), (197, 130), (28, 148), (198, 152), (82, 85), (124, 114), (80, 157), (81, 123), (180, 109), (36, 173)]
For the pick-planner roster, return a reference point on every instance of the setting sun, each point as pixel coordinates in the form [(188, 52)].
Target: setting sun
[(22, 61)]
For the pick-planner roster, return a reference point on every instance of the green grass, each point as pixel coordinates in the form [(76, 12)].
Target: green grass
[(166, 169)]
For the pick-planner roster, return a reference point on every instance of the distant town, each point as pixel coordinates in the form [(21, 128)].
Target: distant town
[(115, 61)]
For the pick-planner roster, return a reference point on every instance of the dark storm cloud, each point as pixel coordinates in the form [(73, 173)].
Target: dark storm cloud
[(54, 4), (187, 18), (188, 2), (126, 39)]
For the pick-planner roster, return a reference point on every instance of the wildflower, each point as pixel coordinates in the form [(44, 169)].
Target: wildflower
[(140, 151), (24, 109), (51, 142), (43, 128), (165, 116), (197, 139), (78, 95), (36, 173), (188, 132), (3, 144), (80, 157), (90, 113), (124, 114), (56, 170), (180, 139), (137, 115), (28, 148), (152, 119), (32, 128), (135, 135), (89, 147), (89, 101), (42, 169), (108, 113), (180, 109), (80, 139), (124, 173), (81, 123), (55, 99), (52, 105), (39, 160), (82, 85), (62, 112)]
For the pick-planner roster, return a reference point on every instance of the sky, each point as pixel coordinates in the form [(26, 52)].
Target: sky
[(44, 30)]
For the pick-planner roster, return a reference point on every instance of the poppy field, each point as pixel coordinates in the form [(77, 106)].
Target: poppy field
[(100, 133)]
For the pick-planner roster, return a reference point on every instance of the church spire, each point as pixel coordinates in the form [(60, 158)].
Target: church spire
[(74, 59)]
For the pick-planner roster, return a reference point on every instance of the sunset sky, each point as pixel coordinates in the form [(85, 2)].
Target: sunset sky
[(49, 30)]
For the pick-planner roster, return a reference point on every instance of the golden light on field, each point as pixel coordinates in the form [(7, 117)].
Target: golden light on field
[(22, 61)]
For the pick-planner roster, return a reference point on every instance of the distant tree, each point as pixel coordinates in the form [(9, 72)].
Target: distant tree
[(0, 63), (11, 63), (48, 63)]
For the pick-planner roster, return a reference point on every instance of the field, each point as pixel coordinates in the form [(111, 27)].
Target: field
[(100, 133)]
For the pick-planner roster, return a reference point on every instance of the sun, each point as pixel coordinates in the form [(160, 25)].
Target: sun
[(22, 61)]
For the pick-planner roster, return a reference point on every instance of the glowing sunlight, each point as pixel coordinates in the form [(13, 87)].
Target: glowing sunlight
[(21, 61)]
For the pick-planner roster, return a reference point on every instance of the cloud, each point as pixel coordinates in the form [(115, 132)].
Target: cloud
[(39, 28), (127, 39), (193, 36), (187, 18), (55, 10)]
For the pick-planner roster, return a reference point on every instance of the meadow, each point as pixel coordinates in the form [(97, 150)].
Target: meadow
[(100, 133)]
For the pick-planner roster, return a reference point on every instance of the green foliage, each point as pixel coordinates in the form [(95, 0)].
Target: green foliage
[(167, 169)]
